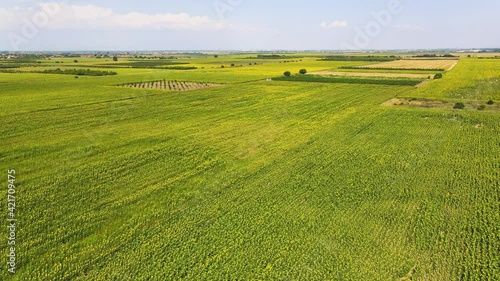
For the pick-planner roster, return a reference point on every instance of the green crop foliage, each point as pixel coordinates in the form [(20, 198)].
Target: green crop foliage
[(470, 80), (350, 80), (252, 180)]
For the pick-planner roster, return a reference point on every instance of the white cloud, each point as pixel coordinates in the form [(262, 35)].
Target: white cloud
[(409, 27), (334, 24), (91, 17)]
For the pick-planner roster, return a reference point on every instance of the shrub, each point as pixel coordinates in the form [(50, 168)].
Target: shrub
[(232, 65), (302, 71), (490, 102), (221, 66), (75, 61), (115, 58), (459, 105), (481, 107), (438, 76), (287, 73)]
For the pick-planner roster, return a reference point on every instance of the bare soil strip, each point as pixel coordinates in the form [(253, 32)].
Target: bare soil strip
[(415, 64), (373, 74), (438, 104)]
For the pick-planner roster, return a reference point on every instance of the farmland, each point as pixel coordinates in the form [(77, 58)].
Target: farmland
[(413, 64), (180, 86), (221, 174)]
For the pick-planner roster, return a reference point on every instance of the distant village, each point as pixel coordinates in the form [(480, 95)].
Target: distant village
[(187, 54), (56, 55)]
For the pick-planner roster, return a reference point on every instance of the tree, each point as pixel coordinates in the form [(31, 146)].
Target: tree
[(75, 61), (438, 76), (115, 58), (303, 71), (216, 56), (287, 73)]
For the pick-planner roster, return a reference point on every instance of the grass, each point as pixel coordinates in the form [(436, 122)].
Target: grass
[(253, 180)]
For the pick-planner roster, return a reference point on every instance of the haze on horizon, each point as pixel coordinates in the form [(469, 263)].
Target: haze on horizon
[(56, 25)]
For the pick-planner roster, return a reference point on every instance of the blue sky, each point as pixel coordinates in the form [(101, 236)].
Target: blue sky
[(28, 25)]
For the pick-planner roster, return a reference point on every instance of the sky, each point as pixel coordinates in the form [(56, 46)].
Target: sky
[(80, 25)]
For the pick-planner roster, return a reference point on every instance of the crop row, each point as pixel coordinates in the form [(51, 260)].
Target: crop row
[(351, 80), (180, 86)]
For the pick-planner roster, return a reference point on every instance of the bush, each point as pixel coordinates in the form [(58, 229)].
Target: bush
[(232, 65), (438, 76), (302, 71), (75, 61), (490, 102), (459, 105), (115, 58), (481, 107), (287, 73)]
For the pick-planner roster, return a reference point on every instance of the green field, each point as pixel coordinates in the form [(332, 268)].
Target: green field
[(253, 179)]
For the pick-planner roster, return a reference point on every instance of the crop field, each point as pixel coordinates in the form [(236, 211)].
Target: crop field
[(351, 80), (179, 86), (289, 178), (414, 64)]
